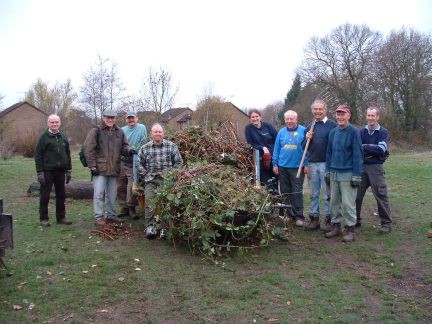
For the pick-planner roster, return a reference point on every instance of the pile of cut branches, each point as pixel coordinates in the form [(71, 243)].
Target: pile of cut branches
[(200, 146), (212, 209), (212, 205)]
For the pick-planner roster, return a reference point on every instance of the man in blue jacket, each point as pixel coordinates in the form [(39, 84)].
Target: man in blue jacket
[(287, 154), (136, 135), (344, 167), (375, 151)]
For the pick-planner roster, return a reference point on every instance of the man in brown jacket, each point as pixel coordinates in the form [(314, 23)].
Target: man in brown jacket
[(103, 147)]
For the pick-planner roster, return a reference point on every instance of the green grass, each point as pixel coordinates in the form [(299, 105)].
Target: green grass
[(72, 275)]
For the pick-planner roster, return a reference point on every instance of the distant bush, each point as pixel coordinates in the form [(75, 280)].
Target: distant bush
[(26, 145), (6, 150)]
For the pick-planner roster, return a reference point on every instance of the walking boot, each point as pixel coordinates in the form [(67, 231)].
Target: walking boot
[(349, 234), (124, 212), (314, 224), (132, 212), (329, 225), (336, 231)]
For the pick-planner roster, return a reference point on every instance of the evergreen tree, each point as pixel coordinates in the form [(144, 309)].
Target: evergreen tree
[(292, 97)]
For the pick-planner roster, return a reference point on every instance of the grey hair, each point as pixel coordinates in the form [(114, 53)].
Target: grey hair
[(319, 101), (290, 112)]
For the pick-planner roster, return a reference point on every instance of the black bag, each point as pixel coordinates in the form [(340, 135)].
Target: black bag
[(82, 152)]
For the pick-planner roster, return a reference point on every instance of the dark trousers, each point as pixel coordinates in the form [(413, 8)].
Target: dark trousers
[(267, 177), (56, 178), (374, 177), (291, 189)]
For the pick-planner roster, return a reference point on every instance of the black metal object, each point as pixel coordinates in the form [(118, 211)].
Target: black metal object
[(6, 234)]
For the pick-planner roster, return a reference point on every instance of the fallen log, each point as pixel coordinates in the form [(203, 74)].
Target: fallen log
[(76, 189)]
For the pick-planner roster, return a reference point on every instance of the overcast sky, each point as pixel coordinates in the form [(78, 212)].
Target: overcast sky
[(247, 50)]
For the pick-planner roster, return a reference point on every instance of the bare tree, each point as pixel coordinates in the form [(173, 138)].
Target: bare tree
[(102, 89), (58, 99), (1, 101), (271, 113), (404, 76), (158, 93), (341, 62)]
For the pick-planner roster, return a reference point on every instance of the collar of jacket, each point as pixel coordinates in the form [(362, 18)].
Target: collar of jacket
[(114, 127)]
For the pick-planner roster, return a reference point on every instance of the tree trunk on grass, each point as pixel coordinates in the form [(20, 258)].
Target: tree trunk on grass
[(76, 189)]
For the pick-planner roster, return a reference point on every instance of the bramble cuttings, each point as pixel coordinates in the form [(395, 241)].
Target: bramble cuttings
[(212, 205), (213, 209)]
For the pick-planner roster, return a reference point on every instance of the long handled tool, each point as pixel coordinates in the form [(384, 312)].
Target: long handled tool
[(305, 151)]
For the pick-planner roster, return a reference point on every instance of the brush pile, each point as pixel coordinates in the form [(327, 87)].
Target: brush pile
[(212, 204)]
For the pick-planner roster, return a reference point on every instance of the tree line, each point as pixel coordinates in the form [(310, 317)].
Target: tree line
[(356, 65), (352, 64)]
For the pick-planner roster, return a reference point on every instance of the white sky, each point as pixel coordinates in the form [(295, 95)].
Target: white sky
[(248, 50)]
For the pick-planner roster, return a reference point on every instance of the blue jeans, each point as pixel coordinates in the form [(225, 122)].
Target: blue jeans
[(104, 195), (316, 178)]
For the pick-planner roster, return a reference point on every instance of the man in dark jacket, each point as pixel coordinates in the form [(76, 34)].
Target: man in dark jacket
[(315, 161), (53, 167), (103, 148), (374, 141)]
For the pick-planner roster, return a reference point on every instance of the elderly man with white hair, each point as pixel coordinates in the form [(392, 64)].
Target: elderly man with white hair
[(287, 155), (53, 167), (154, 158)]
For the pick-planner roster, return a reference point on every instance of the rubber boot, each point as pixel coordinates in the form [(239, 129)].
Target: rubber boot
[(336, 231), (132, 213), (349, 234)]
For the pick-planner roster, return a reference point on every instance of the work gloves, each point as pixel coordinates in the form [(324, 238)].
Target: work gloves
[(355, 181), (327, 178), (41, 178), (94, 171), (68, 176), (267, 159)]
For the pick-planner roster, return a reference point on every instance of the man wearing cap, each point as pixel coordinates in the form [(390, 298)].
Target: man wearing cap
[(344, 167), (102, 148), (374, 138), (53, 167), (136, 135)]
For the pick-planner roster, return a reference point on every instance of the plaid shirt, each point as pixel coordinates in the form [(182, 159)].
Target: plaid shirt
[(154, 159)]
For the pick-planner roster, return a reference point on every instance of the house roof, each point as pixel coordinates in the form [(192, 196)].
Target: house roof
[(17, 105), (230, 103), (173, 112)]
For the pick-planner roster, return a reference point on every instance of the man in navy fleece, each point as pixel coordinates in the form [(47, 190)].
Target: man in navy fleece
[(374, 138), (315, 159), (344, 167)]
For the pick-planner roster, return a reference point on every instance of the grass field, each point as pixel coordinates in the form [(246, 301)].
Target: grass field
[(68, 274)]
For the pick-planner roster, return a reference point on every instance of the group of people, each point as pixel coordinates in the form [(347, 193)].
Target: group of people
[(117, 158), (340, 161)]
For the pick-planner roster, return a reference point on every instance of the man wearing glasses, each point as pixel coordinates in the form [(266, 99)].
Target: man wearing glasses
[(103, 147)]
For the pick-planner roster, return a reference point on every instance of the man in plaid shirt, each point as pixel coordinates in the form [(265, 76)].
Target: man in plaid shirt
[(154, 158)]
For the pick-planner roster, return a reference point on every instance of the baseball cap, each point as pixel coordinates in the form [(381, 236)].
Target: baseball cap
[(110, 113), (130, 114), (344, 108)]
